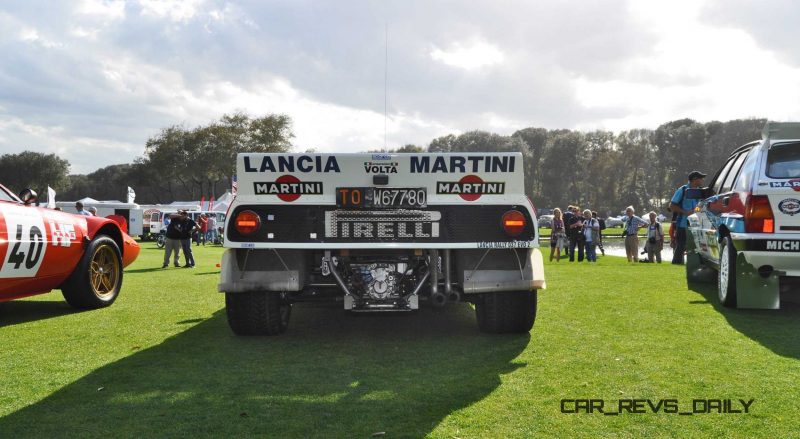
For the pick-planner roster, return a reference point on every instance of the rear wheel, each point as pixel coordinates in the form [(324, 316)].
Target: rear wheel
[(506, 312), (257, 313), (726, 280), (97, 279)]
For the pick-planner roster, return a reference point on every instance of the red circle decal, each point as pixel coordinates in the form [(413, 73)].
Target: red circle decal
[(287, 179), (470, 179)]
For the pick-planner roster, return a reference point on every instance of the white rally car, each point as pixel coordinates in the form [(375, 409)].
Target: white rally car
[(748, 230), (381, 232)]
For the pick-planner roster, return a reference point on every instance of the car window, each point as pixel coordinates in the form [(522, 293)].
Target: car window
[(727, 185), (4, 196), (722, 174), (746, 175), (783, 160)]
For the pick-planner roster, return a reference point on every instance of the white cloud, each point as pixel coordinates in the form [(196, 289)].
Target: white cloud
[(80, 76), (694, 70), (32, 36), (110, 10), (174, 10), (468, 56)]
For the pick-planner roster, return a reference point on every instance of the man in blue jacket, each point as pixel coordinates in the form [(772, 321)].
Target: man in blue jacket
[(682, 206)]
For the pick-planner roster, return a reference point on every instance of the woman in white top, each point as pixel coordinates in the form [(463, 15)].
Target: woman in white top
[(591, 229)]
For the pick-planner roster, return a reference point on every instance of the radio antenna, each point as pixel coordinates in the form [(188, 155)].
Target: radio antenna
[(386, 87)]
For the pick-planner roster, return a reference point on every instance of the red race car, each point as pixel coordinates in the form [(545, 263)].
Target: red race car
[(43, 249)]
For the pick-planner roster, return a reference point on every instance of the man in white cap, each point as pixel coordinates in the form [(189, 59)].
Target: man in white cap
[(682, 206)]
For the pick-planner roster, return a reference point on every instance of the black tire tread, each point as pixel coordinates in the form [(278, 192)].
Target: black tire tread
[(254, 313), (506, 312)]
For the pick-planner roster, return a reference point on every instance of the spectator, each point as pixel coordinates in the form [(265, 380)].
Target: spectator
[(202, 223), (81, 210), (602, 223), (188, 227), (567, 221), (172, 243), (632, 225), (591, 229), (557, 235), (92, 210), (681, 207), (655, 239), (212, 229), (575, 232)]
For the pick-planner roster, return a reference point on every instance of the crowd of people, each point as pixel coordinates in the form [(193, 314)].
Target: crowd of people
[(578, 234)]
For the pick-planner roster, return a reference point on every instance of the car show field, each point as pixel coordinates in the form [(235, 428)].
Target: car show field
[(162, 362)]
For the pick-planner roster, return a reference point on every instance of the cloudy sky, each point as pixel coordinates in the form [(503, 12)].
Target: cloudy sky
[(91, 80)]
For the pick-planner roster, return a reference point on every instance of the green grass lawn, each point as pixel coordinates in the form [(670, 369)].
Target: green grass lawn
[(161, 362)]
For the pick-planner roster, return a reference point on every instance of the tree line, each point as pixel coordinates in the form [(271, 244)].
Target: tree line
[(600, 170)]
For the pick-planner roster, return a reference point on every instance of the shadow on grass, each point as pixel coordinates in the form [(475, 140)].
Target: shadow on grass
[(331, 375), (145, 270), (774, 329), (24, 311)]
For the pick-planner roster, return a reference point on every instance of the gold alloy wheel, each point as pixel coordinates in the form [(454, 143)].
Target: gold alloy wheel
[(104, 272)]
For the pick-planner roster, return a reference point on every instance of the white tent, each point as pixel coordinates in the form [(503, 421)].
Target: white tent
[(223, 203)]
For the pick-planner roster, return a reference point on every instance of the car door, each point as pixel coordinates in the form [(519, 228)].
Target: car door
[(725, 208)]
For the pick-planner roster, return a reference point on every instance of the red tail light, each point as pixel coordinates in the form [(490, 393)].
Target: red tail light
[(758, 216), (247, 222), (513, 223)]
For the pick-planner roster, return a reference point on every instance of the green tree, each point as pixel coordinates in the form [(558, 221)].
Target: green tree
[(189, 164), (536, 141), (34, 170)]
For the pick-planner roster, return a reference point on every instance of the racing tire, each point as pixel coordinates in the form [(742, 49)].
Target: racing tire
[(726, 279), (510, 312), (161, 241), (97, 280), (257, 313)]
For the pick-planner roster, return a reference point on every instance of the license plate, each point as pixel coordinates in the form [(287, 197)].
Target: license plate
[(381, 197)]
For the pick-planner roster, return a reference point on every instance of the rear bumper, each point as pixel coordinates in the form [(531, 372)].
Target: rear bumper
[(779, 251)]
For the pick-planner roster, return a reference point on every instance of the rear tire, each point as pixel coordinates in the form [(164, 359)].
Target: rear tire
[(726, 280), (96, 281), (257, 313), (506, 312)]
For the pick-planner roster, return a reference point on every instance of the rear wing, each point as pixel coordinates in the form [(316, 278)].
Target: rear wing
[(781, 131), (469, 178)]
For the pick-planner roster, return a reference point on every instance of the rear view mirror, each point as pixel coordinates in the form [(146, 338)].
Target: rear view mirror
[(28, 196)]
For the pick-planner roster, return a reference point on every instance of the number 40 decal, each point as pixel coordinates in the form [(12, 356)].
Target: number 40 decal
[(34, 251), (26, 243)]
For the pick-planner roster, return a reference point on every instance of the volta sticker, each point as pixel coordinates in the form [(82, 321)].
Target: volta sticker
[(789, 206)]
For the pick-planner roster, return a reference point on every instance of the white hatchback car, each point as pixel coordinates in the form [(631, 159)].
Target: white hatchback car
[(749, 230)]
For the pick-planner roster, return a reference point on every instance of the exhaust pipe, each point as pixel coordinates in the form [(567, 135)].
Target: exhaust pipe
[(452, 295), (437, 297)]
